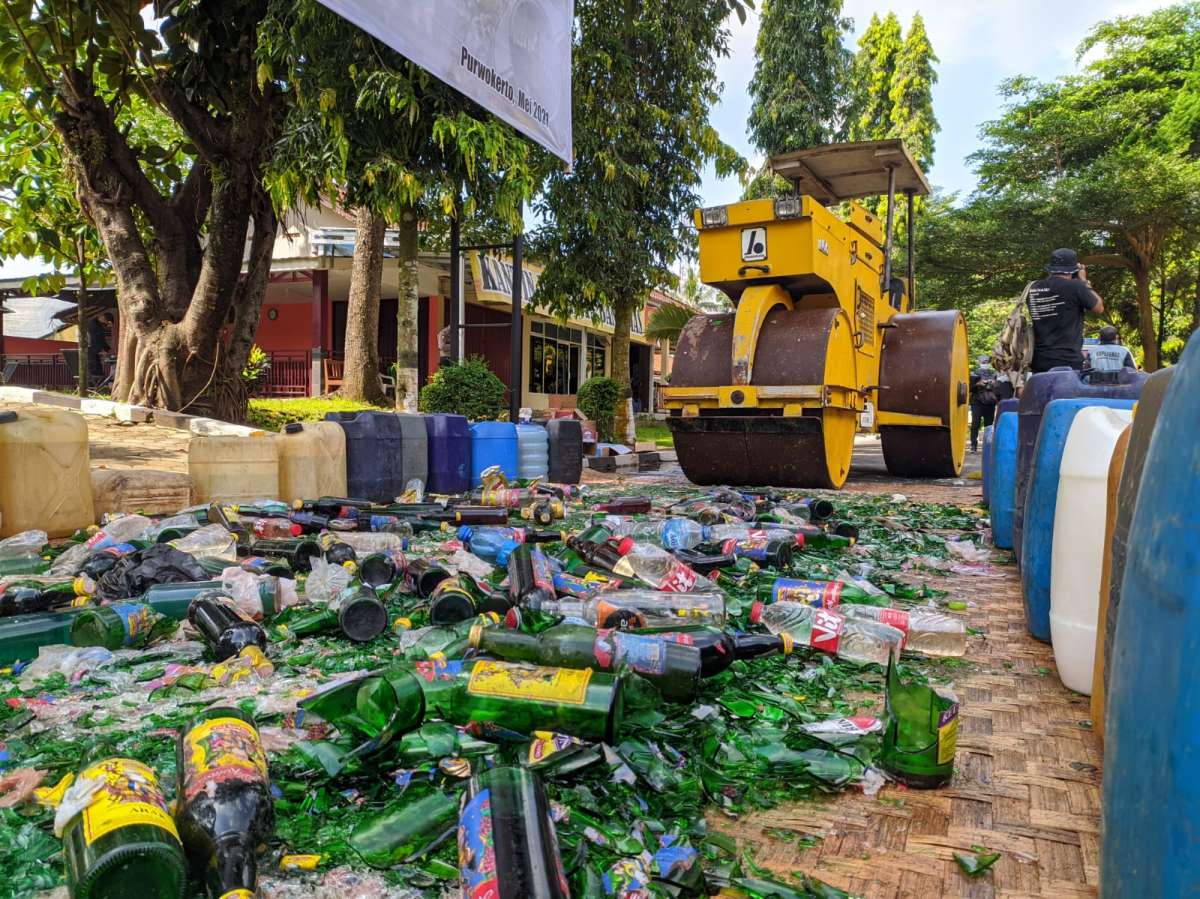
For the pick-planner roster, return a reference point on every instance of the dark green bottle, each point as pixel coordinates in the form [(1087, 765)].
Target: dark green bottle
[(670, 664), (124, 843), (117, 626), (507, 846), (524, 698), (920, 735), (223, 803), (406, 829), (360, 614), (819, 594), (28, 596), (719, 648)]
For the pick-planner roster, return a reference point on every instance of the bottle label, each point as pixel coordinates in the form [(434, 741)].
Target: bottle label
[(819, 594), (570, 585), (673, 535), (643, 653), (543, 574), (897, 618), (564, 686), (685, 639), (136, 619), (826, 630), (545, 744), (129, 794), (477, 848), (240, 893), (854, 726), (947, 732), (680, 579), (221, 750), (610, 616), (437, 668)]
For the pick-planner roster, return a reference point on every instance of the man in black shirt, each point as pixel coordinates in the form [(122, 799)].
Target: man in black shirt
[(1057, 305)]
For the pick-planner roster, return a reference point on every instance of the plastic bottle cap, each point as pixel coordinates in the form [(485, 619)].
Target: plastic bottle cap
[(296, 530), (512, 618), (799, 541), (756, 612), (625, 546), (464, 533), (293, 427)]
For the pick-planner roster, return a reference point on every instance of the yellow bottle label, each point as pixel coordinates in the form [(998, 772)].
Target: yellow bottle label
[(219, 750), (238, 894), (947, 736), (129, 794), (300, 862), (562, 685)]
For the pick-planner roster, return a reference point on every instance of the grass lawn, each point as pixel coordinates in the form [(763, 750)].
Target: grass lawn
[(656, 431), (272, 415)]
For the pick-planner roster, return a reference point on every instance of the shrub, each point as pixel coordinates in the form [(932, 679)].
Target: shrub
[(272, 415), (258, 363), (470, 389), (598, 398)]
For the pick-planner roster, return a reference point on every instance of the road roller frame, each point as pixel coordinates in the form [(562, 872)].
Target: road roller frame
[(817, 349)]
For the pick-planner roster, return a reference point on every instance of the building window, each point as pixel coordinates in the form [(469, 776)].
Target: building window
[(555, 352), (597, 351)]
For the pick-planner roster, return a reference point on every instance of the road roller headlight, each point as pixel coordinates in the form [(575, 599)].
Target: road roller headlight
[(787, 208), (714, 217)]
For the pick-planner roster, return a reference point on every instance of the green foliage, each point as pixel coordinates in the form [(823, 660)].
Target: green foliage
[(872, 75), (644, 85), (801, 75), (911, 94), (1094, 161), (667, 321), (470, 389), (653, 429), (272, 415), (597, 400), (258, 363)]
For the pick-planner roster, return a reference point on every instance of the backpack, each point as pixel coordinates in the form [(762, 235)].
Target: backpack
[(985, 394), (1013, 352)]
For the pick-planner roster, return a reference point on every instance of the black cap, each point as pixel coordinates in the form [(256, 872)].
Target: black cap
[(1063, 261)]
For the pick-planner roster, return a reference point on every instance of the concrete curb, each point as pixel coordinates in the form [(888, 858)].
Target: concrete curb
[(193, 424)]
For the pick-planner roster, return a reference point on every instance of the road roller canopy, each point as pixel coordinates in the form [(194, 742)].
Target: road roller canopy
[(838, 172)]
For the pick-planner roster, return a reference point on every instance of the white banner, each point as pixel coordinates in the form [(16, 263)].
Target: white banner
[(513, 57)]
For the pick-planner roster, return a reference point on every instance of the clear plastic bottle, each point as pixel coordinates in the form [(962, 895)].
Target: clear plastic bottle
[(184, 520), (926, 631), (718, 533), (671, 533), (635, 609), (852, 639), (119, 530), (655, 566), (367, 542), (275, 528)]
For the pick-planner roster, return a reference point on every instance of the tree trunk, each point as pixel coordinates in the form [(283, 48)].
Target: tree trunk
[(623, 311), (1141, 280), (360, 380), (408, 299)]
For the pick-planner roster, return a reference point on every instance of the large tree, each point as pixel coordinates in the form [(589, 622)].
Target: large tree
[(644, 88), (1103, 160), (801, 75), (379, 135), (872, 75), (188, 311), (911, 94)]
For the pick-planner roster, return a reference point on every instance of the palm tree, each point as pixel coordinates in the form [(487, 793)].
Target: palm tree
[(667, 321)]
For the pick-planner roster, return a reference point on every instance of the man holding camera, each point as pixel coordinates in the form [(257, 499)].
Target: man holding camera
[(1057, 305)]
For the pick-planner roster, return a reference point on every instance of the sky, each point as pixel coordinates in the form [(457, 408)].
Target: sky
[(979, 43)]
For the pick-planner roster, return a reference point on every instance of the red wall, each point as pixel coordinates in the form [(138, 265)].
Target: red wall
[(37, 345), (291, 330)]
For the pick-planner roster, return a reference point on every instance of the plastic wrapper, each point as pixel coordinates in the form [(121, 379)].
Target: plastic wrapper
[(70, 560), (243, 587), (25, 545), (211, 540), (18, 786), (463, 561), (326, 581)]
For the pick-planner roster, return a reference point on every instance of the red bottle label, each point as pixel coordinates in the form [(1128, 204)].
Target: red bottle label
[(680, 579), (826, 630)]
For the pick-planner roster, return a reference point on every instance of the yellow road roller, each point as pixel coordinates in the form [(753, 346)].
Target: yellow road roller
[(823, 343)]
